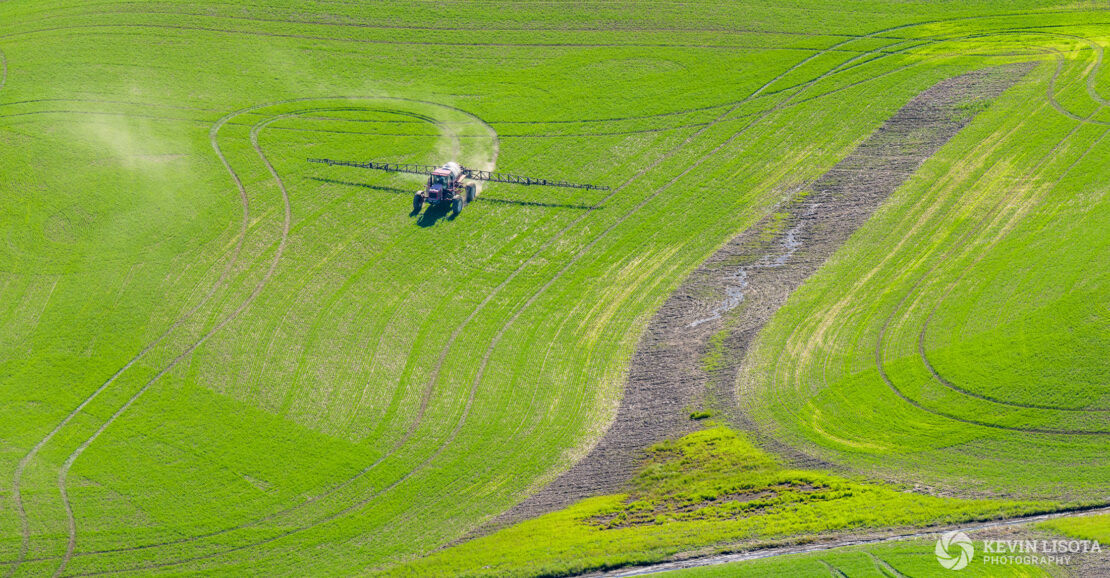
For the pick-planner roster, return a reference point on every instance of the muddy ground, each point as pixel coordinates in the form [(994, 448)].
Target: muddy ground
[(735, 292), (1079, 565)]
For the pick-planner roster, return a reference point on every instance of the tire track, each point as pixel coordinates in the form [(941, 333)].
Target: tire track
[(243, 230), (834, 48), (428, 43), (456, 152), (445, 126), (609, 462), (248, 32), (1059, 107), (525, 415), (105, 101), (288, 216), (833, 570), (982, 253), (26, 460), (886, 256), (711, 107), (946, 383), (884, 51), (884, 567), (226, 120), (1092, 76), (413, 27), (921, 337), (563, 433), (425, 399), (781, 358)]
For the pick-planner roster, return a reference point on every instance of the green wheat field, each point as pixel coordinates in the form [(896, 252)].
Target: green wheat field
[(219, 359)]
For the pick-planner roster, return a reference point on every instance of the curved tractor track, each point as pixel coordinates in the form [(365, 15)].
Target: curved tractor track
[(921, 349), (938, 378), (64, 471), (286, 223), (958, 246), (234, 175), (785, 253), (1007, 228), (255, 132), (30, 456)]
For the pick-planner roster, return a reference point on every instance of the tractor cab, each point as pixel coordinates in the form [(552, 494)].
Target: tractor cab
[(445, 185), (439, 185)]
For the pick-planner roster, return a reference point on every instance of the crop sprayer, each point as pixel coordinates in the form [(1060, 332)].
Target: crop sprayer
[(452, 183)]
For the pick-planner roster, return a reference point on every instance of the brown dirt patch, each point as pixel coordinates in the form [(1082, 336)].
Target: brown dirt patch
[(735, 292)]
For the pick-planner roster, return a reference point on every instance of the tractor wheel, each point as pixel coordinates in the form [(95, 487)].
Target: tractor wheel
[(456, 206), (417, 202), (471, 192)]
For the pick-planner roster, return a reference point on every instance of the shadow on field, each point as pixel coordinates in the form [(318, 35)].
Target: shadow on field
[(393, 190), (536, 204), (433, 214)]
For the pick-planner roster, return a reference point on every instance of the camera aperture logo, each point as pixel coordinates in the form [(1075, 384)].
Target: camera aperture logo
[(954, 550)]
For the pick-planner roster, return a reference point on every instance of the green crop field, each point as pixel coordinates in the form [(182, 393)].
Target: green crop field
[(711, 487), (219, 358), (976, 339)]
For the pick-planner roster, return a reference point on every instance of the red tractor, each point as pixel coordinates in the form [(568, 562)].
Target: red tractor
[(452, 183), (446, 185)]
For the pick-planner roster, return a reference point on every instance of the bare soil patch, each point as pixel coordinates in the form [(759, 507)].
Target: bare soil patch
[(688, 358)]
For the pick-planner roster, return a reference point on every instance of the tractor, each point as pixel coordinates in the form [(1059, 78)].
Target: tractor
[(446, 184), (452, 183)]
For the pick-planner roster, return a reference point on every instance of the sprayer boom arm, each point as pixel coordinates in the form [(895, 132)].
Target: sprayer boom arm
[(510, 178), (471, 173), (391, 167)]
